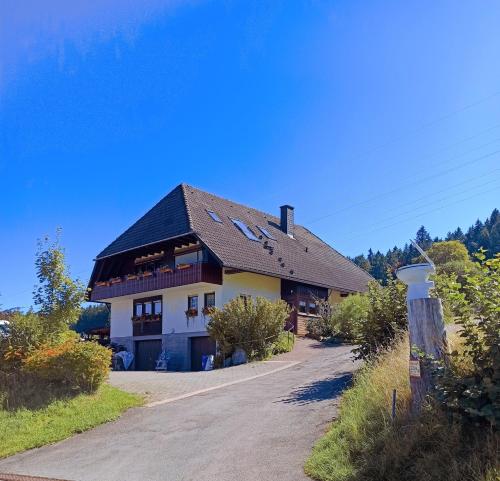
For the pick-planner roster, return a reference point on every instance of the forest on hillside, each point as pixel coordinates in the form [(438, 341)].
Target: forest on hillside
[(482, 235)]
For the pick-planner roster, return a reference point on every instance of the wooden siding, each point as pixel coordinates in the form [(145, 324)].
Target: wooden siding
[(203, 272)]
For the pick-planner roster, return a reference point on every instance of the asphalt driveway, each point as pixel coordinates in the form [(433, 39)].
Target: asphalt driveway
[(260, 428)]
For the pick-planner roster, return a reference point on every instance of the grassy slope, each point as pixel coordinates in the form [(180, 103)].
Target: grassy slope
[(24, 429), (364, 444)]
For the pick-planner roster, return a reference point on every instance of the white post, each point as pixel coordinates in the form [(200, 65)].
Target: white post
[(425, 326)]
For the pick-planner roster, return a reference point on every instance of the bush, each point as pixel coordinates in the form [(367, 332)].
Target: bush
[(387, 318), (77, 365), (253, 325), (349, 315), (284, 343), (473, 392), (25, 334), (321, 326), (341, 319)]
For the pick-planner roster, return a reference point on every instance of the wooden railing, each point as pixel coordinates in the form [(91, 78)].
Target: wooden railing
[(203, 272)]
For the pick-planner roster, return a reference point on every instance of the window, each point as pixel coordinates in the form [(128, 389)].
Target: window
[(245, 229), (302, 306), (149, 307), (214, 216), (266, 232), (210, 299), (312, 308), (189, 258), (193, 305), (157, 306)]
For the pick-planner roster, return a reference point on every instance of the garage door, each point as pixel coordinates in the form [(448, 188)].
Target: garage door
[(146, 354), (200, 346)]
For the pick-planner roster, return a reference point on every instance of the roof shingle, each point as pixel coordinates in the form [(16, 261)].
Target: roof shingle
[(304, 258)]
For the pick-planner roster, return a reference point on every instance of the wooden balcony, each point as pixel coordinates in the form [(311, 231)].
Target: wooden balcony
[(203, 272)]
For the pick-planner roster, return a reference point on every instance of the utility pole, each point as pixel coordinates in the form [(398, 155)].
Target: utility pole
[(425, 325)]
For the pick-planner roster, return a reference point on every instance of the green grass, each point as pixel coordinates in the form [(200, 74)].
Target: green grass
[(25, 429), (364, 444)]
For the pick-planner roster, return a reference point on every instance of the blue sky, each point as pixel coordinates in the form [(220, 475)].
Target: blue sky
[(370, 117)]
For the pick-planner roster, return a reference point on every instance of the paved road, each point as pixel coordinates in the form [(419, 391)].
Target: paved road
[(261, 429)]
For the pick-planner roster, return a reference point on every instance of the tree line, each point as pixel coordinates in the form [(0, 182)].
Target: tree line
[(482, 235)]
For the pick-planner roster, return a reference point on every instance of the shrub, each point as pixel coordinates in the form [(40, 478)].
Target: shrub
[(321, 326), (74, 364), (25, 334), (250, 324), (387, 318), (349, 315), (473, 392), (284, 343)]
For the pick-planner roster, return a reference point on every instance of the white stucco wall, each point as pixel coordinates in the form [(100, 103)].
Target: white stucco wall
[(121, 314), (175, 302)]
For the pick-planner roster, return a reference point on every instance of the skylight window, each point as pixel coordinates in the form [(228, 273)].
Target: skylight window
[(266, 232), (214, 216), (245, 229)]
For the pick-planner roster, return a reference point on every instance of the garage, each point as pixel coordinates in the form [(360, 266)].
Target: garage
[(200, 346), (146, 354)]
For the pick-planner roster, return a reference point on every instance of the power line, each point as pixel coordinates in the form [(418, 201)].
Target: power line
[(404, 186), (427, 125), (434, 201), (419, 215)]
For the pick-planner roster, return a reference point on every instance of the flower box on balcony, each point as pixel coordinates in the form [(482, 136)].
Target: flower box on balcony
[(115, 280), (165, 270), (147, 274), (131, 277), (206, 311), (181, 267), (191, 313), (101, 283)]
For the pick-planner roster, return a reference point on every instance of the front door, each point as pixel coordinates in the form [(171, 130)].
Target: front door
[(146, 354), (200, 346)]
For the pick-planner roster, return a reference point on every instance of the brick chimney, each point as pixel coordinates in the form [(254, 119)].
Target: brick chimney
[(286, 219)]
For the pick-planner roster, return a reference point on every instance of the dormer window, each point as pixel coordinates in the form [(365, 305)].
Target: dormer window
[(245, 229)]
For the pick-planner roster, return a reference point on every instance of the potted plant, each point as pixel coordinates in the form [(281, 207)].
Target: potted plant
[(165, 270), (206, 311), (101, 283), (115, 280), (131, 277), (147, 273), (191, 313), (181, 267)]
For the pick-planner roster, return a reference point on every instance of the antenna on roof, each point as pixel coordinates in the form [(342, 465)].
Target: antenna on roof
[(424, 255)]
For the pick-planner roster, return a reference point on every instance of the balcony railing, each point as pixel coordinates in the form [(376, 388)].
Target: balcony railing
[(127, 285)]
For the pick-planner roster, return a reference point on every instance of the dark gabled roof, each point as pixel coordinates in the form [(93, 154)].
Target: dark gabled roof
[(304, 258), (167, 219)]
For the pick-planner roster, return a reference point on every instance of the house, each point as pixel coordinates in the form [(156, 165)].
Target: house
[(194, 250)]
